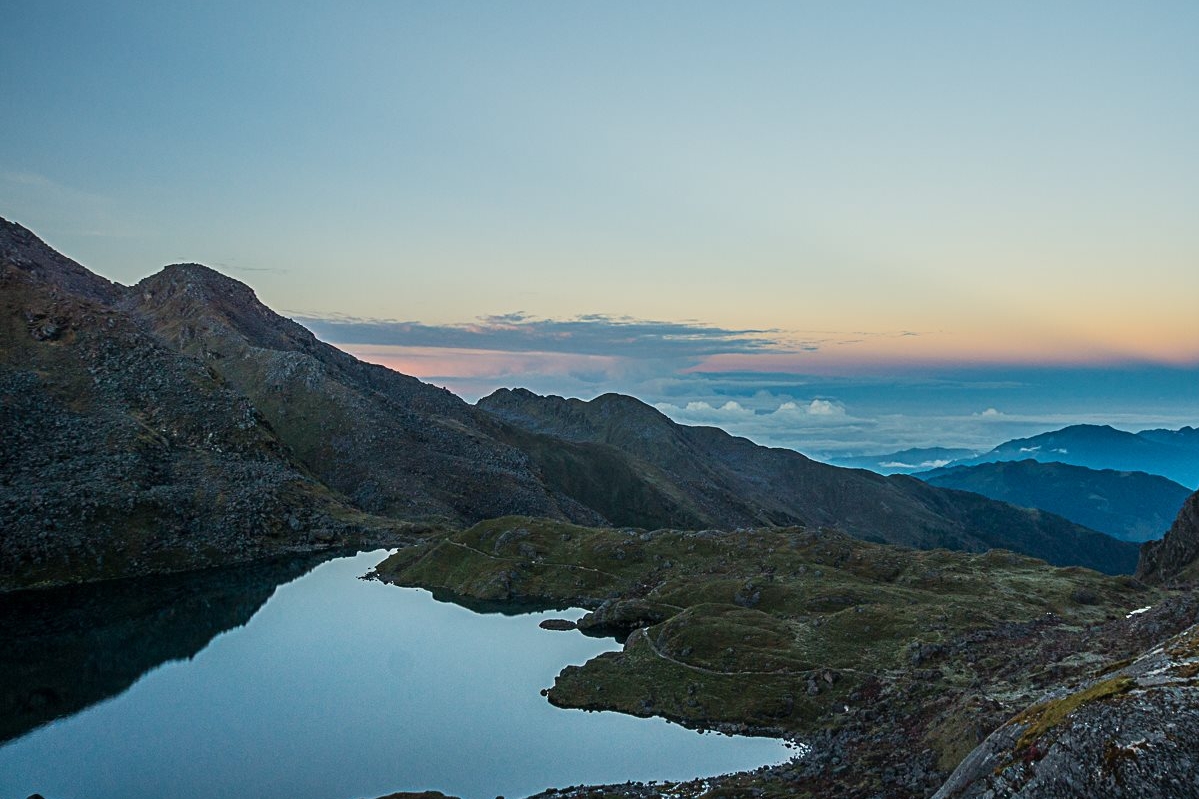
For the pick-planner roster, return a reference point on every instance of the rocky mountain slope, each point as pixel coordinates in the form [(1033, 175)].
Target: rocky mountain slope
[(1131, 506), (1175, 558), (718, 480), (181, 423), (120, 456), (390, 443)]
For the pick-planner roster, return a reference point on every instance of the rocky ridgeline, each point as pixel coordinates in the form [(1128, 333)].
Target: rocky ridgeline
[(181, 422), (121, 456), (388, 442), (723, 481)]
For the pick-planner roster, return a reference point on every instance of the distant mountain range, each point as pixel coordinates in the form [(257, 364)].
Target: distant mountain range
[(907, 461), (1132, 506), (181, 423), (1170, 453)]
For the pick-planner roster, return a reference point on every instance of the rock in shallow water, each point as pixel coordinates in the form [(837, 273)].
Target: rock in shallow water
[(557, 624)]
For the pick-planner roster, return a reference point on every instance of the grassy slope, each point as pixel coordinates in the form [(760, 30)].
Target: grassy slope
[(779, 630)]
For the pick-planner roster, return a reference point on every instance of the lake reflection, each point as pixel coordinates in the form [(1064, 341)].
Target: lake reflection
[(341, 688)]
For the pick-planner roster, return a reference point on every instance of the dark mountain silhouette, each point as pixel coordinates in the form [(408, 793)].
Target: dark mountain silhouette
[(181, 423), (1131, 506), (1171, 453)]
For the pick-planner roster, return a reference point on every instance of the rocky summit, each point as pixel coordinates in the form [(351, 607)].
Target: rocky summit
[(122, 456)]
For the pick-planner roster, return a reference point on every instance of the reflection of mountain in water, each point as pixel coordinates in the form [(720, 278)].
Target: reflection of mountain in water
[(68, 648)]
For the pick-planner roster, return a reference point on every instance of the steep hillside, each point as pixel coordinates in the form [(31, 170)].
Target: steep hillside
[(389, 442), (1131, 506), (119, 456), (1175, 558), (730, 482)]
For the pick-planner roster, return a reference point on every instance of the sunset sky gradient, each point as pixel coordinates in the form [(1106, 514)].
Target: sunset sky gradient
[(592, 197)]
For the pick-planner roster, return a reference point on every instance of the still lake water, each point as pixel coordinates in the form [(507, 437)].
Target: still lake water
[(341, 688)]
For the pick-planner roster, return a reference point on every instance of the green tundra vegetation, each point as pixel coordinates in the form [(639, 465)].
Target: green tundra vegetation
[(790, 631)]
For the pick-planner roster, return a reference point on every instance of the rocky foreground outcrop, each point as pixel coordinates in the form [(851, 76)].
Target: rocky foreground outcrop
[(1130, 733)]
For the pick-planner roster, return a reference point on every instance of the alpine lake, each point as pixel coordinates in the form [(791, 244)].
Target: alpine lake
[(298, 679)]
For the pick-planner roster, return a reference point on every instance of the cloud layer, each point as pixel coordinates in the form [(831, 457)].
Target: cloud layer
[(592, 334), (671, 365)]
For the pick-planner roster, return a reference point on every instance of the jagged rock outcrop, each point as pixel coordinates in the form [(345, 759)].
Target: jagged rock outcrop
[(1175, 558), (1133, 732), (719, 480)]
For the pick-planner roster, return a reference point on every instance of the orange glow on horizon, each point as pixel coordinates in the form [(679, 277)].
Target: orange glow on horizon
[(431, 362), (867, 356)]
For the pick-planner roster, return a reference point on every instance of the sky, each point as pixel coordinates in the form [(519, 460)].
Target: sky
[(866, 225)]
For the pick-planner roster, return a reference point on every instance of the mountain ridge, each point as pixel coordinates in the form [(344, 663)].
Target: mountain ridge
[(1131, 506), (1173, 454), (740, 484), (231, 414)]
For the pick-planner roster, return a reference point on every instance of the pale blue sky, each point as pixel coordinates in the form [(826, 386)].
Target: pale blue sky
[(1005, 183)]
